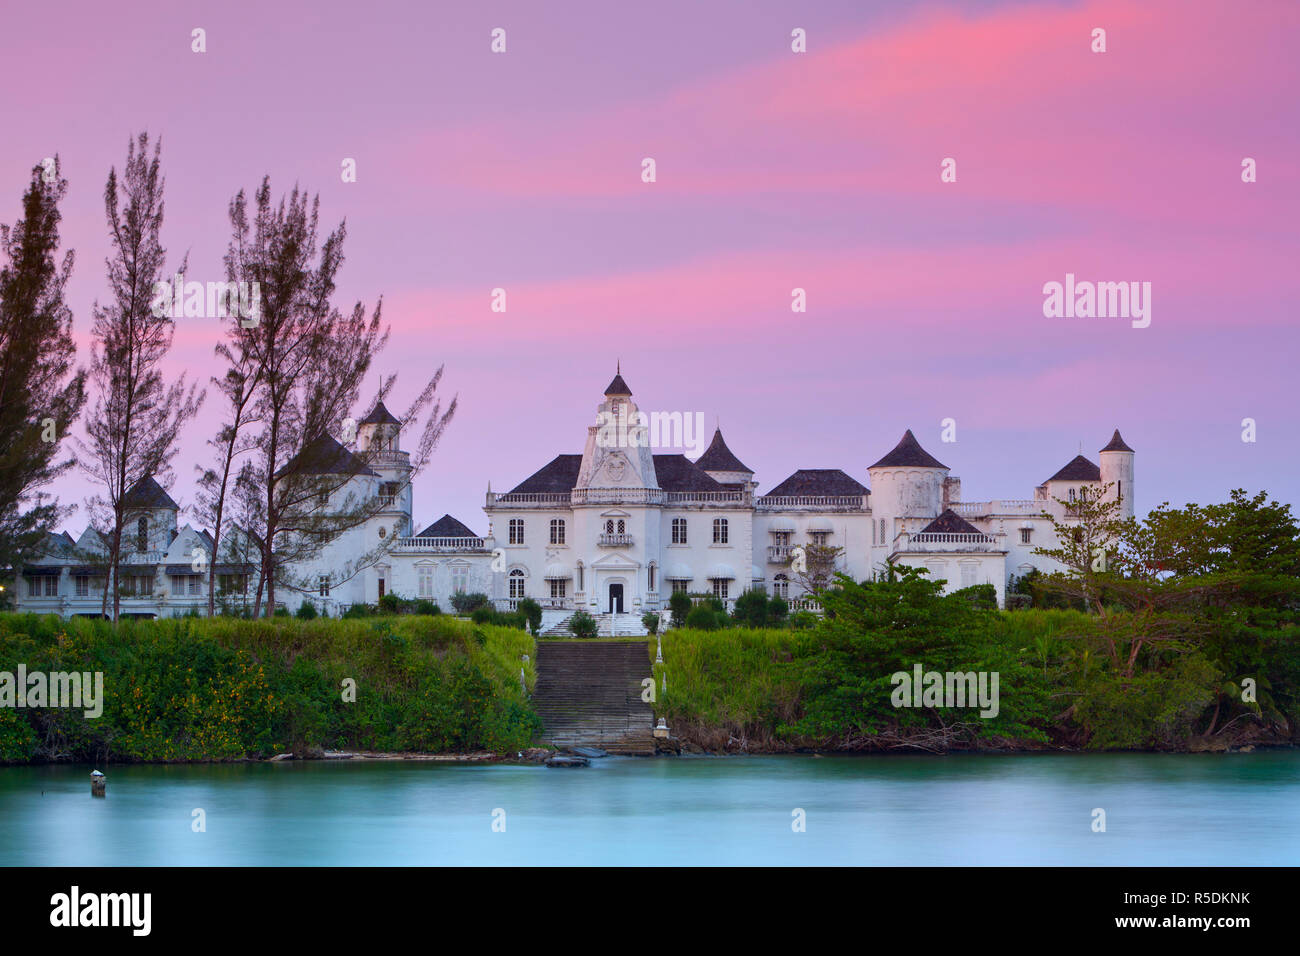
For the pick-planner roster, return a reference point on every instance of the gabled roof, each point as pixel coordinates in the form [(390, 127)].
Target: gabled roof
[(679, 473), (950, 523), (819, 481), (1117, 443), (908, 452), (325, 456), (1079, 469), (147, 493), (446, 527), (559, 475), (379, 415), (618, 386), (718, 457)]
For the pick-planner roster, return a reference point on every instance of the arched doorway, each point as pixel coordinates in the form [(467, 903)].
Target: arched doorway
[(616, 598)]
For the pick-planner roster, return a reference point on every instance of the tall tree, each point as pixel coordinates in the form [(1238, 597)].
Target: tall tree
[(40, 394), (137, 415)]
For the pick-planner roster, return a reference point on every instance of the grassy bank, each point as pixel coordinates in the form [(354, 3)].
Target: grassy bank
[(224, 689)]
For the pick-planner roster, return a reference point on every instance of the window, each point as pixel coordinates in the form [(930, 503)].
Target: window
[(323, 583), (781, 537), (516, 530), (34, 587), (609, 526), (1071, 495), (720, 588), (968, 570), (142, 534), (557, 531), (195, 584), (424, 585), (622, 526), (1025, 534), (1119, 490), (883, 538), (719, 530), (52, 586), (178, 585), (83, 585), (127, 586), (388, 494), (459, 578), (323, 498), (781, 586), (680, 586), (819, 538), (516, 584), (579, 575), (557, 589), (232, 583), (650, 577), (679, 531), (383, 585)]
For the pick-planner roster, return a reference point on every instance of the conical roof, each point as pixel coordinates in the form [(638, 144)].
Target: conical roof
[(1117, 443), (380, 415), (908, 452), (718, 457), (618, 386)]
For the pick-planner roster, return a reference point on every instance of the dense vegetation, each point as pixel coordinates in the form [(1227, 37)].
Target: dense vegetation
[(221, 689), (1178, 632)]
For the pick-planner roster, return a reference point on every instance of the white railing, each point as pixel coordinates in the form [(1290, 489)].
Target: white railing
[(954, 540), (804, 604), (439, 544), (1005, 506), (708, 497), (779, 553), (614, 540), (814, 502), (528, 499)]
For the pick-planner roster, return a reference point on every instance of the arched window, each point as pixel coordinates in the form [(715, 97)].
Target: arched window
[(557, 531), (781, 586), (719, 530), (580, 569), (516, 584), (142, 534), (650, 577)]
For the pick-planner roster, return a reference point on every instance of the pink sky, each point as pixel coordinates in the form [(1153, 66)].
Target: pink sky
[(775, 170)]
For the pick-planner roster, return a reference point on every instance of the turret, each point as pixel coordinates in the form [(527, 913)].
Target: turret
[(1117, 469), (908, 483), (724, 467)]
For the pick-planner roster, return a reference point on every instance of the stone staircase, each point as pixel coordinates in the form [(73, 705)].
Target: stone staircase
[(588, 694)]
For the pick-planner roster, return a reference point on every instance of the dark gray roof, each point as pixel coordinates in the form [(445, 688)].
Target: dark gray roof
[(950, 523), (1079, 469), (819, 481), (446, 527), (618, 386), (718, 457), (379, 415), (679, 473), (557, 476), (1117, 443), (325, 456), (147, 493), (908, 452)]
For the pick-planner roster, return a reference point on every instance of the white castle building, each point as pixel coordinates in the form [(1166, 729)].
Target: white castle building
[(613, 531)]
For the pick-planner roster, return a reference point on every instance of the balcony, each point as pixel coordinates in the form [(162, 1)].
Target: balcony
[(779, 553), (438, 544), (615, 540), (950, 541), (1019, 507), (814, 503)]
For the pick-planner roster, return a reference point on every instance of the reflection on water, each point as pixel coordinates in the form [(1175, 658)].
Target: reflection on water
[(1211, 809)]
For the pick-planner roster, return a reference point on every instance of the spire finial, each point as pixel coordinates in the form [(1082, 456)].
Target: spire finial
[(618, 366)]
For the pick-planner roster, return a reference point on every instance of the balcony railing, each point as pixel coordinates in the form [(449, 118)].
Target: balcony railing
[(813, 503), (950, 541), (605, 496), (1006, 506), (439, 544), (615, 540), (779, 553)]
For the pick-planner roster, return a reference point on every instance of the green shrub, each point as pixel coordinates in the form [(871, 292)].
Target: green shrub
[(391, 603), (468, 603), (650, 621), (583, 625), (306, 611), (679, 602), (702, 617), (532, 612), (426, 607)]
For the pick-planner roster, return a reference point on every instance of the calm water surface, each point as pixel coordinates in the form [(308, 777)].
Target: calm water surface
[(1160, 809)]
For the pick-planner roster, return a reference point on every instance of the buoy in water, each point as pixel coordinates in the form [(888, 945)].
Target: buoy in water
[(98, 784)]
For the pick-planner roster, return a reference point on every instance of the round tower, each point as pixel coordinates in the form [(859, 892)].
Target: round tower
[(1117, 470), (906, 484), (379, 442)]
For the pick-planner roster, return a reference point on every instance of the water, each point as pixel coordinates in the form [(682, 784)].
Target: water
[(1236, 809)]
